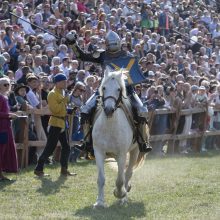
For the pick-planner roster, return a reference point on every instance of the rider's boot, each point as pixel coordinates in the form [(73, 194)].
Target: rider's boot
[(87, 112), (143, 136), (140, 114), (86, 129)]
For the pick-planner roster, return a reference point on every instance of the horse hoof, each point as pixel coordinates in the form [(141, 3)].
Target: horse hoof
[(119, 195), (123, 201), (129, 188), (99, 204)]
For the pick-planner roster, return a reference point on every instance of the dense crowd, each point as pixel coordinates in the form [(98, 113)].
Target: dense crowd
[(176, 42)]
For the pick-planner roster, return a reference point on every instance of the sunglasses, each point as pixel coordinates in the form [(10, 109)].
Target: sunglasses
[(6, 84)]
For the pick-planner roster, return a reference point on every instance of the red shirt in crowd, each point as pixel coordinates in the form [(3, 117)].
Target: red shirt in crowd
[(81, 7)]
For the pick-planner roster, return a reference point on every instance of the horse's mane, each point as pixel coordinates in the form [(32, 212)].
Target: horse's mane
[(118, 76)]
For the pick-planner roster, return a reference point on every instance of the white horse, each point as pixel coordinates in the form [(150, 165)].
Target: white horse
[(112, 133)]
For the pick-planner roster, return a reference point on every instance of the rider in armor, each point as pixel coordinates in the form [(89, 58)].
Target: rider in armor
[(113, 50)]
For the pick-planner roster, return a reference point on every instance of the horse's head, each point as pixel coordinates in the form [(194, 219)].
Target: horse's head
[(112, 90)]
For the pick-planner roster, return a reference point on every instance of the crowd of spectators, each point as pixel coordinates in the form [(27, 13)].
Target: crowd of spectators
[(176, 42)]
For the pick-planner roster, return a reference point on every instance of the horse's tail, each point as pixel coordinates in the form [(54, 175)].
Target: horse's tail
[(140, 161), (138, 164)]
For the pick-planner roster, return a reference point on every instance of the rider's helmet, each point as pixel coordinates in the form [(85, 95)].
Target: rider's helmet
[(113, 42), (71, 36)]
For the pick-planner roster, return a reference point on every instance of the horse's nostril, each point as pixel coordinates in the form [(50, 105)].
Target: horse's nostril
[(108, 111)]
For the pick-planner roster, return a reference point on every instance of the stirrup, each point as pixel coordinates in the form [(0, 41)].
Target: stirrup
[(81, 147), (145, 147), (85, 146)]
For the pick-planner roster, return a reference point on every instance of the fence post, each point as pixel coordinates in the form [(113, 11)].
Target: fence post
[(204, 126), (26, 139), (176, 124), (24, 156)]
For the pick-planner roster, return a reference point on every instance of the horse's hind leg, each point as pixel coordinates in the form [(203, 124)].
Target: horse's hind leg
[(100, 202), (120, 191), (129, 171)]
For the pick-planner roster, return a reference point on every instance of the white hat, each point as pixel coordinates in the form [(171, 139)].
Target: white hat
[(49, 49), (202, 88), (52, 17), (151, 73)]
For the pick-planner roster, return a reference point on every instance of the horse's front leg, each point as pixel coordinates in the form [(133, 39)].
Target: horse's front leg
[(120, 191), (129, 171), (100, 157)]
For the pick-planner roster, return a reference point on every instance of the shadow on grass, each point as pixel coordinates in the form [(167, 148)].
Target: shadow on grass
[(30, 168), (208, 154), (50, 187), (56, 165), (6, 183), (132, 210), (83, 163)]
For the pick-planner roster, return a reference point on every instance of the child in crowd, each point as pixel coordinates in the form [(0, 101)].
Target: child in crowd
[(89, 81), (201, 97)]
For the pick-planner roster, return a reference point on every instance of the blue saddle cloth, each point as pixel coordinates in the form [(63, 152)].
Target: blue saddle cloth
[(77, 136)]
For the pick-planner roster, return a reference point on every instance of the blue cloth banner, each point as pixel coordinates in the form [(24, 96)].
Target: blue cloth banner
[(129, 64)]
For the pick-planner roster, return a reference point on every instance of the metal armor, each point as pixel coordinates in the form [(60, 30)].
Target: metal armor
[(113, 42), (136, 103), (140, 109), (90, 104)]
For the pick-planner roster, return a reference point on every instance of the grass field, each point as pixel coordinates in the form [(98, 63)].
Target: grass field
[(167, 188)]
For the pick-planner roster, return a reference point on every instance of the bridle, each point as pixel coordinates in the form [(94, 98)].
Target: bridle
[(118, 101)]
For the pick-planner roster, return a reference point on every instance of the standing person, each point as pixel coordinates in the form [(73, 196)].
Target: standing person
[(164, 22), (76, 101), (57, 103), (34, 98), (8, 156), (45, 85), (10, 43)]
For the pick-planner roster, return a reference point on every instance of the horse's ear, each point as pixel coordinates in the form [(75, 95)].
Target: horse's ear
[(121, 73), (107, 71)]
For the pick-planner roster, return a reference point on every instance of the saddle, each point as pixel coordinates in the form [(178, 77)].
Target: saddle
[(128, 113)]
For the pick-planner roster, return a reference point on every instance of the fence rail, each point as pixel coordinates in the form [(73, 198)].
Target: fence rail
[(173, 137)]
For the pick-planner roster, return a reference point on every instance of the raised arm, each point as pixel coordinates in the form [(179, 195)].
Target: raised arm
[(71, 41)]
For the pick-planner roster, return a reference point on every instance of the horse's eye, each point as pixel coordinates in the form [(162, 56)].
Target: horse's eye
[(119, 89), (113, 78), (103, 88)]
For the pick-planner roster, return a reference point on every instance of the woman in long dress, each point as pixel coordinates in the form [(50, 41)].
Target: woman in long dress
[(8, 156)]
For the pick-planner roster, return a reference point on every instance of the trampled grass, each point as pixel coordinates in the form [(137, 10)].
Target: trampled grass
[(168, 188)]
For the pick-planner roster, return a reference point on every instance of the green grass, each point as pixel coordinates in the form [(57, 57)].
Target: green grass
[(168, 188)]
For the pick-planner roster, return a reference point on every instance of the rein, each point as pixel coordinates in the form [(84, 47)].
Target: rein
[(117, 101), (128, 114)]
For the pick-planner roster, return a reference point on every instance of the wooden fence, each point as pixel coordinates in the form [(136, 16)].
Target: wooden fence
[(171, 136)]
